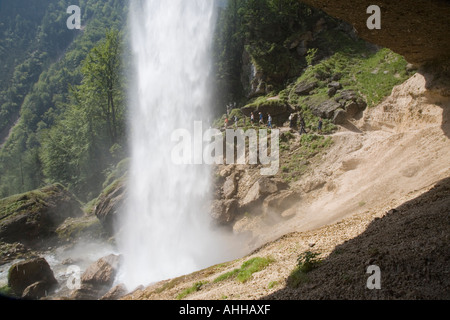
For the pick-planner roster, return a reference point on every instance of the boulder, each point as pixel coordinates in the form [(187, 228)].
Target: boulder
[(110, 204), (35, 291), (262, 188), (230, 187), (305, 88), (102, 272), (347, 95), (98, 278), (224, 212), (353, 108), (281, 201), (332, 92), (33, 217), (336, 85), (340, 117), (326, 109), (115, 293), (274, 106), (35, 275)]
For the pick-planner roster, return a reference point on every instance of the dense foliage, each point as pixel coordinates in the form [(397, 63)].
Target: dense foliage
[(262, 29), (61, 112)]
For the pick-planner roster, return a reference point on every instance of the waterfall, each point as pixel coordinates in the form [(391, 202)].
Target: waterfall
[(165, 227)]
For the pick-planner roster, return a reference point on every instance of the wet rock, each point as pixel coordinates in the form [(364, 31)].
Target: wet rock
[(102, 272), (98, 278), (109, 205), (34, 274), (13, 251), (115, 293), (36, 291), (224, 212)]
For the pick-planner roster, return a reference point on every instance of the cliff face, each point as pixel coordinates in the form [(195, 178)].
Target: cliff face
[(416, 29)]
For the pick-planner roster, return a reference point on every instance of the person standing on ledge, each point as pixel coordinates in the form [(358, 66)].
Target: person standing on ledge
[(269, 122), (320, 127), (302, 126)]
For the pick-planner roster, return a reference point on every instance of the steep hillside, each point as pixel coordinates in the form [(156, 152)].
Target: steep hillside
[(41, 65), (384, 201)]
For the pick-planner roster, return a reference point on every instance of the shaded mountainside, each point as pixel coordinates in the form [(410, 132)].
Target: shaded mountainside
[(410, 244), (415, 29)]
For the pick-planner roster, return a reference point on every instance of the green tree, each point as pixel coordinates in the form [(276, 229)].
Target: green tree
[(102, 83), (76, 150)]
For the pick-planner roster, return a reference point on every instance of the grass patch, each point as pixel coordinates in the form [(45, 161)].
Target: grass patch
[(272, 284), (371, 74), (227, 275), (195, 287), (245, 272)]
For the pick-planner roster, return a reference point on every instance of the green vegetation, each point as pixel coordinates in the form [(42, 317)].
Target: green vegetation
[(32, 201), (247, 269), (306, 263), (6, 291), (195, 287), (61, 124), (372, 74), (264, 29), (73, 229)]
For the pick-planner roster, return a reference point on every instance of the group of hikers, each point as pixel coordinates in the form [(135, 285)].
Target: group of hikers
[(292, 123)]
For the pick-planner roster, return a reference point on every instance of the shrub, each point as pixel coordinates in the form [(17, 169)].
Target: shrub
[(306, 262)]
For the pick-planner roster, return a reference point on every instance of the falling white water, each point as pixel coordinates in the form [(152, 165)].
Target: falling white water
[(166, 231)]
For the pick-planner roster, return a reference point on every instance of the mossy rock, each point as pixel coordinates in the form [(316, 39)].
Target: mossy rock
[(86, 227), (274, 106), (33, 217)]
